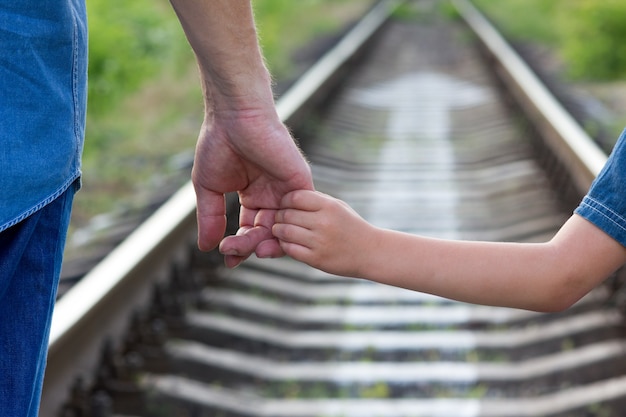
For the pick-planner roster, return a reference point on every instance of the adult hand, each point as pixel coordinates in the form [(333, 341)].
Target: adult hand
[(243, 146), (251, 152)]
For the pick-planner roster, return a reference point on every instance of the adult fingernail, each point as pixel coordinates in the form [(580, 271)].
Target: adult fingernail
[(233, 263)]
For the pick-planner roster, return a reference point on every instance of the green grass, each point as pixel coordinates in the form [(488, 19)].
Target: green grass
[(129, 43), (525, 19), (587, 34), (587, 39), (285, 25)]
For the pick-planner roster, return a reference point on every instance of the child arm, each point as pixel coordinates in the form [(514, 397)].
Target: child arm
[(325, 233)]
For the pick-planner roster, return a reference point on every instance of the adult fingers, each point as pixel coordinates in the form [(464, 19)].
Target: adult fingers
[(232, 261), (269, 249), (211, 217), (245, 241), (246, 217), (256, 239), (265, 218)]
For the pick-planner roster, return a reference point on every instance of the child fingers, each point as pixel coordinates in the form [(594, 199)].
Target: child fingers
[(304, 200), (295, 251), (294, 241), (299, 218), (291, 234)]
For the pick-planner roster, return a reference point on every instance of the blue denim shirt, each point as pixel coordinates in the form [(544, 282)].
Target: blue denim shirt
[(605, 203), (43, 76)]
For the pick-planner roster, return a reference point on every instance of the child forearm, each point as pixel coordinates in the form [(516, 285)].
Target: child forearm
[(544, 276), (476, 272), (327, 234)]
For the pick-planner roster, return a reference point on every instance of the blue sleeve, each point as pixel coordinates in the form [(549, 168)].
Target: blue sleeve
[(605, 203)]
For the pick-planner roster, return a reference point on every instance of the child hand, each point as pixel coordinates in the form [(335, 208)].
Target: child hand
[(323, 232)]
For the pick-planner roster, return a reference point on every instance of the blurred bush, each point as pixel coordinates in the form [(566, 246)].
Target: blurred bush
[(129, 43), (589, 35), (593, 37), (133, 41), (287, 25)]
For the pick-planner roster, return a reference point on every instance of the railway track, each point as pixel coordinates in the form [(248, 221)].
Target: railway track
[(408, 123)]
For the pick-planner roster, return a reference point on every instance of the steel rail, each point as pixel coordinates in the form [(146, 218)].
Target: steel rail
[(98, 307), (582, 157)]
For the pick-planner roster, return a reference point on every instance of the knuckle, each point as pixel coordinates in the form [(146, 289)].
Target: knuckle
[(296, 198), (289, 233)]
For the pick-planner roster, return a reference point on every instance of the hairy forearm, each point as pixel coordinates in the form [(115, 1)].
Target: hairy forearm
[(223, 36)]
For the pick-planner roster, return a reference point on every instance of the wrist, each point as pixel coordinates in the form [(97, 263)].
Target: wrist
[(239, 90), (370, 253)]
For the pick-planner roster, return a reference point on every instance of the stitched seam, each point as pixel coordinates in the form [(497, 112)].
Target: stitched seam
[(40, 205), (605, 215)]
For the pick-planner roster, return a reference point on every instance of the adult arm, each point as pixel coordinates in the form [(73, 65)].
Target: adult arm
[(325, 233), (242, 146)]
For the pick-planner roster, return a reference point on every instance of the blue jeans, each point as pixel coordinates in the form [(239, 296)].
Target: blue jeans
[(30, 264)]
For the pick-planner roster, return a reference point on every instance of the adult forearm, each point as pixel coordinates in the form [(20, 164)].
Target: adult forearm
[(223, 36)]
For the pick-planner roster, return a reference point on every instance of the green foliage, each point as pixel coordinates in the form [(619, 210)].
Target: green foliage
[(407, 11), (588, 34), (378, 390), (417, 11), (593, 38), (478, 391), (525, 19), (285, 25), (132, 42), (129, 42)]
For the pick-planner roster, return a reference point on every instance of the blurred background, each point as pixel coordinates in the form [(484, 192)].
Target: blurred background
[(145, 104)]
